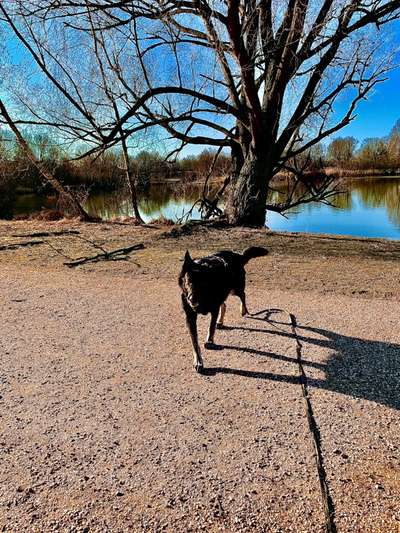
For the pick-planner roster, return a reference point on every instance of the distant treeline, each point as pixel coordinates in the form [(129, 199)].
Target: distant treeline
[(347, 153), (104, 171)]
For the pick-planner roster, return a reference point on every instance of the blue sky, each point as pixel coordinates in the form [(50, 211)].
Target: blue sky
[(377, 115)]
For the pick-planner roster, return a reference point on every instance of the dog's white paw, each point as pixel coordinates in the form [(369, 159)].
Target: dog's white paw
[(199, 368)]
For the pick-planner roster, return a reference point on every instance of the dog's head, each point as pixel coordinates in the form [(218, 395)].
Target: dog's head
[(191, 271), (194, 282)]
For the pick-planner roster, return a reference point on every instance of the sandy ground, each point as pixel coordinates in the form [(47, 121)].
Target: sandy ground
[(105, 427)]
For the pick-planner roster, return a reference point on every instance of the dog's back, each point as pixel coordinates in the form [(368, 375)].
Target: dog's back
[(207, 282)]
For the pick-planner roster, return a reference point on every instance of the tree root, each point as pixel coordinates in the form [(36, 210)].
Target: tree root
[(189, 227)]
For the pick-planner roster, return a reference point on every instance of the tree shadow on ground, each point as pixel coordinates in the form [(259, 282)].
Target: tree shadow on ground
[(358, 367)]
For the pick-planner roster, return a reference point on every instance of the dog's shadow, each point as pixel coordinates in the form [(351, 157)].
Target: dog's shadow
[(358, 367)]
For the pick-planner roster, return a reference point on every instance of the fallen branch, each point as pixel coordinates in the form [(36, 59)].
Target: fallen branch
[(48, 233), (94, 244), (120, 253), (15, 245), (58, 251)]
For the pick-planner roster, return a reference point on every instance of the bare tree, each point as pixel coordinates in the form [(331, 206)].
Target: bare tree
[(341, 150), (374, 153), (64, 193), (394, 145), (258, 77)]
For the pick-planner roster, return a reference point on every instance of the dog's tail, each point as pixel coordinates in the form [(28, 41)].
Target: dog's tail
[(253, 251)]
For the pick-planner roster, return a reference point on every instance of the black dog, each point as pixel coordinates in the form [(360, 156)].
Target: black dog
[(206, 284)]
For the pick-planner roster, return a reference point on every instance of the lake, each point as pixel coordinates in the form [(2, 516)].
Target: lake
[(368, 207)]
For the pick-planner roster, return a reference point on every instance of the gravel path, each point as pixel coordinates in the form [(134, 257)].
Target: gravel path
[(104, 426)]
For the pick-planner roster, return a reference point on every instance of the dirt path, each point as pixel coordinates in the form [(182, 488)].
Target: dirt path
[(105, 427)]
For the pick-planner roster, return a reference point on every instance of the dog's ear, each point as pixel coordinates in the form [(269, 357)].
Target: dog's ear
[(187, 262)]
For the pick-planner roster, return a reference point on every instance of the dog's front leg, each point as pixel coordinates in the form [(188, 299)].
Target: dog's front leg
[(191, 321), (211, 330)]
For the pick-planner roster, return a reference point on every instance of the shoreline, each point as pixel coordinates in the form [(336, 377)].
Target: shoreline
[(182, 228), (318, 263)]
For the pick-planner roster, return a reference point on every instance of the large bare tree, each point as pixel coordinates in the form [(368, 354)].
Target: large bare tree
[(258, 77)]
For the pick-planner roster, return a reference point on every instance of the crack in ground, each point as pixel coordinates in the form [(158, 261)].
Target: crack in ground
[(329, 508)]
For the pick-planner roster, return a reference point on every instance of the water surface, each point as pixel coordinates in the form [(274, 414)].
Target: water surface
[(368, 207)]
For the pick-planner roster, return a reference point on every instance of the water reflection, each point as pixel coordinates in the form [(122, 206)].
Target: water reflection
[(367, 207), (383, 193), (171, 200)]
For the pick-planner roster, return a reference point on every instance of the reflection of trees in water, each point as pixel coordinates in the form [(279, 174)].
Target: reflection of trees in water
[(380, 193), (26, 204), (109, 205), (159, 197), (343, 200), (373, 193), (151, 202)]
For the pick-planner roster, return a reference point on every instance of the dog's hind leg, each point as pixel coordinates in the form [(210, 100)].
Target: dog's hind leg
[(191, 321), (239, 290), (222, 310), (243, 308), (211, 331)]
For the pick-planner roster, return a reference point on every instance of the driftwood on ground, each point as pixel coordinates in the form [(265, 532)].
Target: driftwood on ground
[(15, 245), (47, 233), (119, 253)]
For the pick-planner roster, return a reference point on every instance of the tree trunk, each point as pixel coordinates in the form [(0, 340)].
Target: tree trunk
[(132, 190), (248, 194), (130, 180)]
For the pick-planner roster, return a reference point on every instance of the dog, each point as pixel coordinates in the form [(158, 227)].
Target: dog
[(206, 283)]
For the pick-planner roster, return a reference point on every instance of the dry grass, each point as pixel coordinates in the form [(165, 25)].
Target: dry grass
[(163, 221)]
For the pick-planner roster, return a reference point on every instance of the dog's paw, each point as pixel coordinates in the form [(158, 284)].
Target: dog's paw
[(210, 346), (199, 368)]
